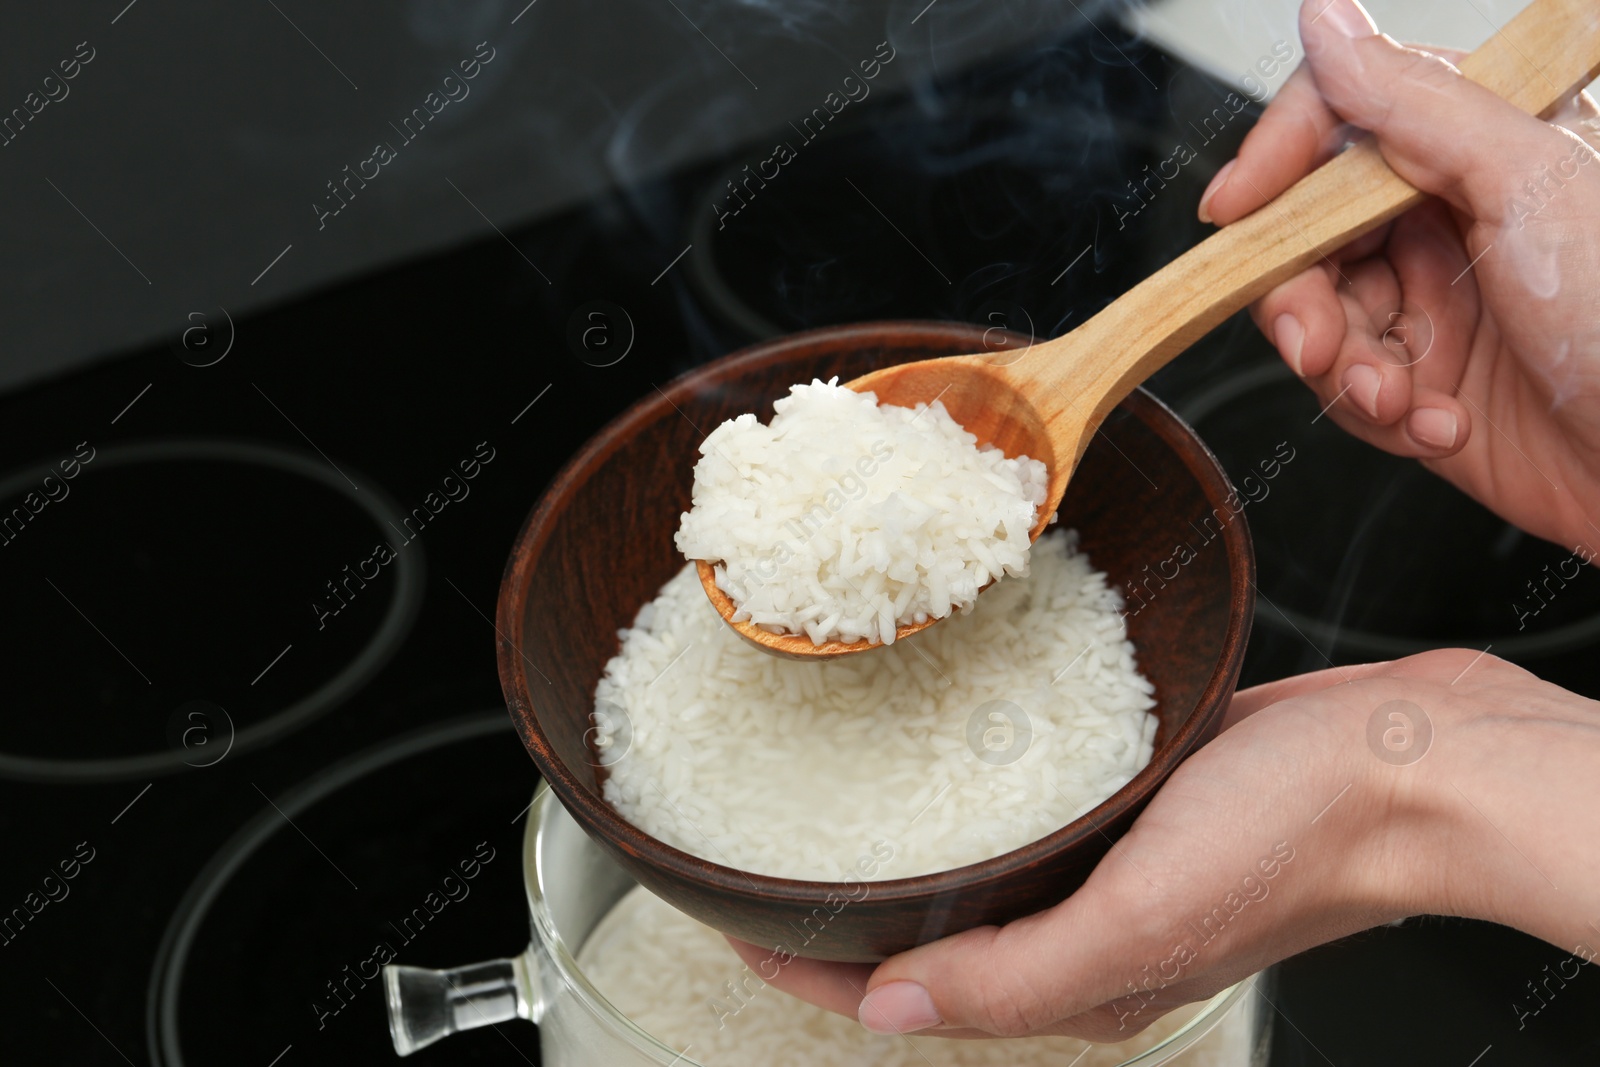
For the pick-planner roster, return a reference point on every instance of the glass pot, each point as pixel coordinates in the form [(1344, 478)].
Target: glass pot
[(571, 885)]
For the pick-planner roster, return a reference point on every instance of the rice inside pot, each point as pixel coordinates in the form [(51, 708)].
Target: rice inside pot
[(681, 983)]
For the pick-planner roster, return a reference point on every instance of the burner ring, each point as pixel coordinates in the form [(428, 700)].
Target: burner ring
[(404, 605), (1327, 635), (716, 286), (172, 954), (706, 277)]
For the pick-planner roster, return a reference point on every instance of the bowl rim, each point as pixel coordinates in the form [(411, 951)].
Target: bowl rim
[(599, 818)]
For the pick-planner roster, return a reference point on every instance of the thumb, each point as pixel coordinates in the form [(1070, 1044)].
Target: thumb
[(1009, 981), (1032, 975), (1440, 131)]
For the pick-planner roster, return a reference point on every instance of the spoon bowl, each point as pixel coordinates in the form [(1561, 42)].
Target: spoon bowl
[(987, 404)]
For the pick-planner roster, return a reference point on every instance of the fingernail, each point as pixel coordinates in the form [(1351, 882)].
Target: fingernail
[(1347, 17), (1362, 382), (898, 1008), (1434, 427), (1217, 182), (1290, 337)]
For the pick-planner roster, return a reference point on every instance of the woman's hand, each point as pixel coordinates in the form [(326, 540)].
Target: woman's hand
[(1467, 332), (1447, 783)]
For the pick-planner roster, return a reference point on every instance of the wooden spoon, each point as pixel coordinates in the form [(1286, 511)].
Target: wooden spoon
[(1048, 400)]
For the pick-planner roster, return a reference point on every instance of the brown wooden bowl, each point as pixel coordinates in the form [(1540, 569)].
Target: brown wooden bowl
[(598, 545)]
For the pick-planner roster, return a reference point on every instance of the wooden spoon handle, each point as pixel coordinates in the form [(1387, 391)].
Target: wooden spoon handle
[(1534, 62)]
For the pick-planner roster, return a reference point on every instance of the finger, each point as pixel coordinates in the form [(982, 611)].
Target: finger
[(1411, 329), (1418, 104), (1368, 371), (1363, 247), (1305, 320), (1072, 969), (1402, 320), (1296, 134), (1316, 324), (1362, 390), (838, 987), (1438, 313), (1010, 981), (835, 987), (1438, 321)]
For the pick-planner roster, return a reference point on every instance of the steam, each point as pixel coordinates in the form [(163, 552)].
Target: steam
[(1045, 105)]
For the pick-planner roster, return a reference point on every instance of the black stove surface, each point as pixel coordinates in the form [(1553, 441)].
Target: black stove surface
[(269, 917), (251, 687)]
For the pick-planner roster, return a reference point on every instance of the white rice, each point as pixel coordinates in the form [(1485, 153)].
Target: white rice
[(843, 519), (966, 741), (682, 984)]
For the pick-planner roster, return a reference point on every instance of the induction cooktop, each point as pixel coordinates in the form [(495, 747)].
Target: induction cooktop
[(250, 570)]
